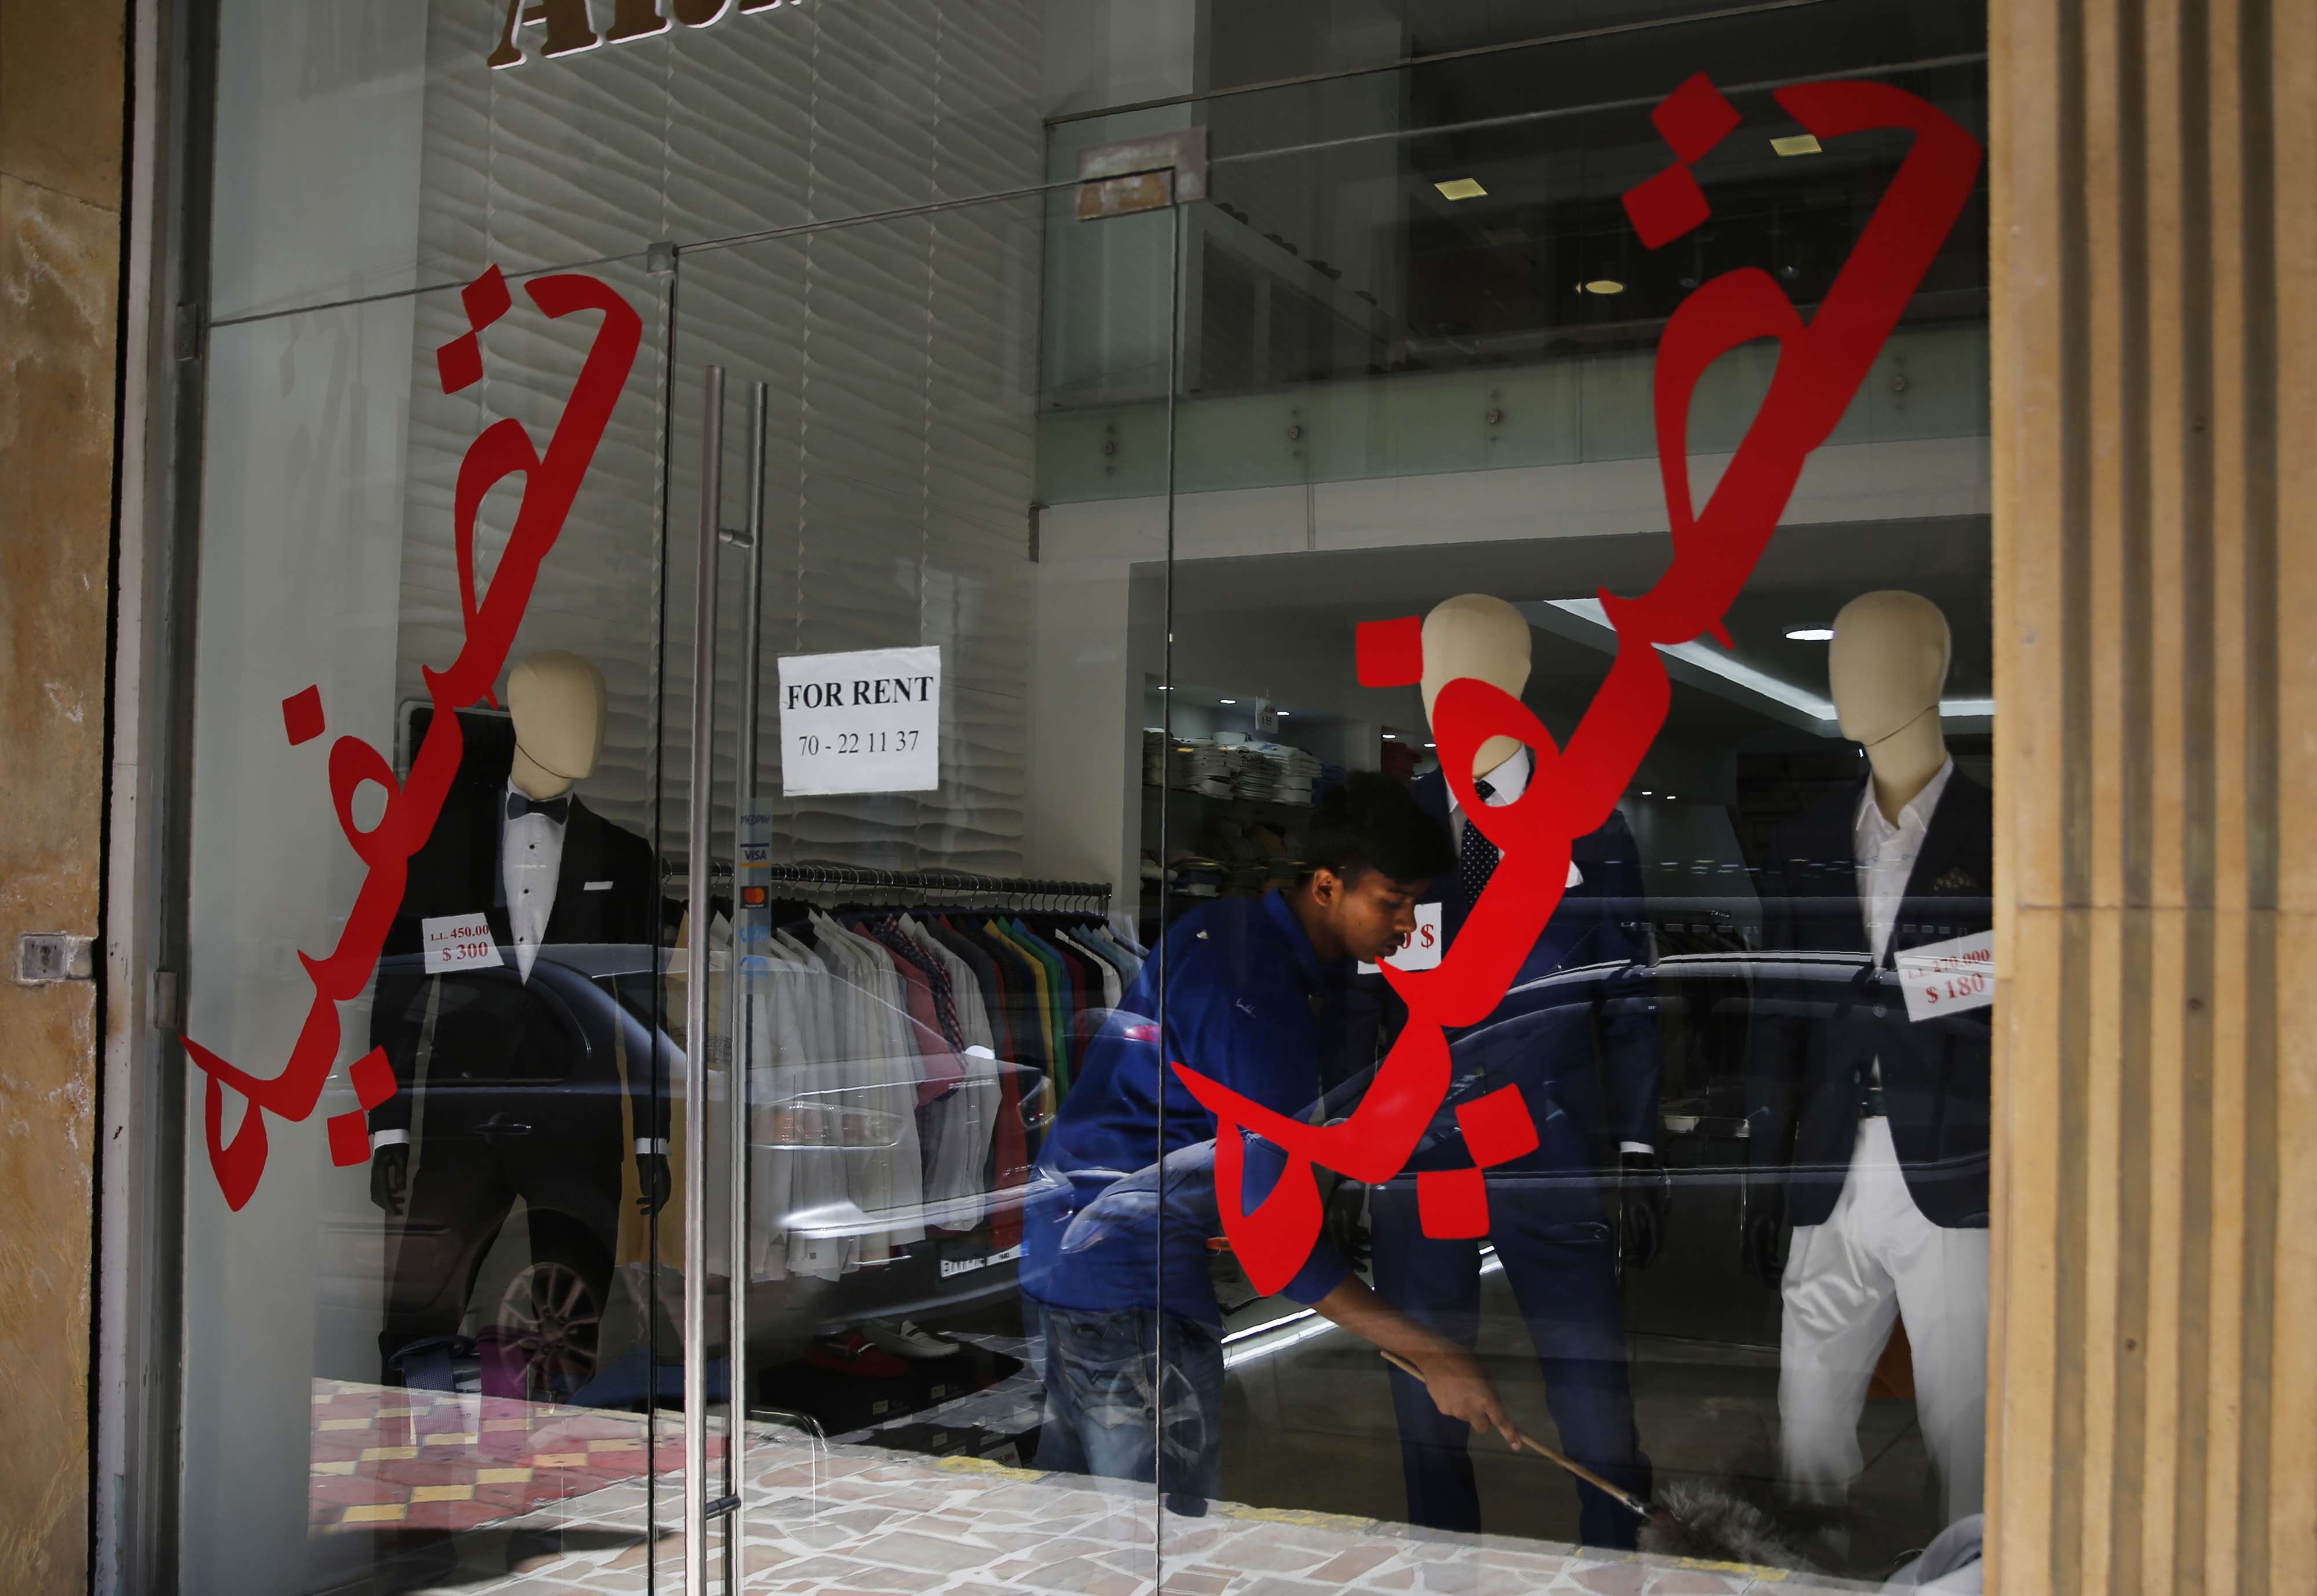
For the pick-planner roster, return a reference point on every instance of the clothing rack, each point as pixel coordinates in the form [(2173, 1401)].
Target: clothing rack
[(950, 882)]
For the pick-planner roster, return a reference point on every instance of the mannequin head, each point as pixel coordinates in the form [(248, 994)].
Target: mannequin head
[(1887, 666), (1483, 636), (557, 701)]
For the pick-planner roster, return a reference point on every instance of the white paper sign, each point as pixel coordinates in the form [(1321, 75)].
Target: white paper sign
[(864, 722), (460, 942), (1422, 950), (1948, 977)]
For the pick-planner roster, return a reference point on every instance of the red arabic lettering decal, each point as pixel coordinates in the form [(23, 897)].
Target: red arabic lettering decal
[(551, 483), (1819, 366)]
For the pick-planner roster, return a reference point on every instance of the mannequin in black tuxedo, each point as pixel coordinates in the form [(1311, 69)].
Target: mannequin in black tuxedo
[(522, 1054), (1869, 1122)]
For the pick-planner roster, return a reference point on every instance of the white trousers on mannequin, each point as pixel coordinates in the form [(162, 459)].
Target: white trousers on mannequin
[(1876, 1259)]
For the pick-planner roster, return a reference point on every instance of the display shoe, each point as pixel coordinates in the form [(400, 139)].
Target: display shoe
[(905, 1338), (852, 1353)]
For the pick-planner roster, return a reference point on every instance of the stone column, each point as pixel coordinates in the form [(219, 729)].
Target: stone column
[(2154, 1419), (61, 94)]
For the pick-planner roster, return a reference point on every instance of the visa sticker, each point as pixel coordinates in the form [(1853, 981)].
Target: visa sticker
[(460, 942), (1948, 977)]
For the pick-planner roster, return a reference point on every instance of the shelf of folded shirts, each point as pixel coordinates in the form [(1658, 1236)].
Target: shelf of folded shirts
[(1212, 801)]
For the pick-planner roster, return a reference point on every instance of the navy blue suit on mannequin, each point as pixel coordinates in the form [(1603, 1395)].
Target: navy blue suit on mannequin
[(1547, 1221)]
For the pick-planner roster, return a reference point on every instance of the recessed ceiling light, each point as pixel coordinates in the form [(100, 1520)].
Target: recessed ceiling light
[(1432, 744), (1811, 633), (1227, 701), (1669, 797), (1460, 188), (1164, 688), (1645, 792), (1392, 737), (1601, 285), (1795, 144), (1281, 713)]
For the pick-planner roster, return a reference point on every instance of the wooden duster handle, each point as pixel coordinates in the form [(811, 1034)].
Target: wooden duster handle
[(1623, 1498)]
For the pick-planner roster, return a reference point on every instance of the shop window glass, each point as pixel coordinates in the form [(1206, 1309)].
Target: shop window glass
[(947, 947)]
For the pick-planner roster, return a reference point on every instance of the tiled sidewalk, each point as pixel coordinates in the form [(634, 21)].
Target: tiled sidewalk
[(857, 1522), (431, 1460)]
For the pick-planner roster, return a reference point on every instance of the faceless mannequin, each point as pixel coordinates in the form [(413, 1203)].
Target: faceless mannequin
[(1887, 666), (1480, 636), (558, 703)]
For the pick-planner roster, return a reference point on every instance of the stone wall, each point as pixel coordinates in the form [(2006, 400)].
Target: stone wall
[(61, 96)]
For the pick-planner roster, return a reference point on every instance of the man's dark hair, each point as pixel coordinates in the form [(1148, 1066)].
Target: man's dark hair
[(1373, 822)]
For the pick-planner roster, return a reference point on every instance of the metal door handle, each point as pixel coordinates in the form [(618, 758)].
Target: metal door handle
[(695, 998)]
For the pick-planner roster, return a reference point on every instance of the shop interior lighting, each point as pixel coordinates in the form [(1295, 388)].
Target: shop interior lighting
[(1461, 188), (1811, 633), (1796, 144), (1602, 285), (1759, 684), (1227, 701)]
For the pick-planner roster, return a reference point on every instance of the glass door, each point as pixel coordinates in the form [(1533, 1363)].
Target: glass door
[(902, 735)]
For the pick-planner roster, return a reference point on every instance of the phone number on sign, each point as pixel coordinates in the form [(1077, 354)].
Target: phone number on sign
[(900, 742)]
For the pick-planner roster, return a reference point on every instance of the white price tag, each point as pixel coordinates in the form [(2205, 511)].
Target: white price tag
[(460, 942), (864, 722), (1421, 950), (1948, 977)]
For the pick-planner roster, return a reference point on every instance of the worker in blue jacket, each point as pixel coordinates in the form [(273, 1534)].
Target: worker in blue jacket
[(1115, 1234)]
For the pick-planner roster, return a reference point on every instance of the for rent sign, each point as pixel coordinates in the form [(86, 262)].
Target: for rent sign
[(864, 722)]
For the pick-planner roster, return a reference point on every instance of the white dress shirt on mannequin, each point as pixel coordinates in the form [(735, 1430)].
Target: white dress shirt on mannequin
[(530, 858), (1886, 854)]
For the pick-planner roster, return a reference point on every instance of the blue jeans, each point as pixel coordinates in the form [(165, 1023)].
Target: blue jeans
[(1133, 1394)]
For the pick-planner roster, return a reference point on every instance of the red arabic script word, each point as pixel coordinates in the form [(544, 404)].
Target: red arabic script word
[(551, 481), (1819, 366)]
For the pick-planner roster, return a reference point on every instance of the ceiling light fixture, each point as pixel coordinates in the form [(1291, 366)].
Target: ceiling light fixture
[(1796, 144), (1227, 701), (1392, 737), (1811, 633), (1461, 188), (1601, 285)]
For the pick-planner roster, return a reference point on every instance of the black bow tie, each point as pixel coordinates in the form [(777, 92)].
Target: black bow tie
[(520, 803)]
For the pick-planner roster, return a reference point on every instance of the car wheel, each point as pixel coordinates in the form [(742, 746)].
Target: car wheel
[(550, 1313)]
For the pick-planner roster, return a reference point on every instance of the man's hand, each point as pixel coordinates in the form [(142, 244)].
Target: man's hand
[(390, 1176), (653, 1182), (1460, 1388), (1765, 1223), (1645, 1208)]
